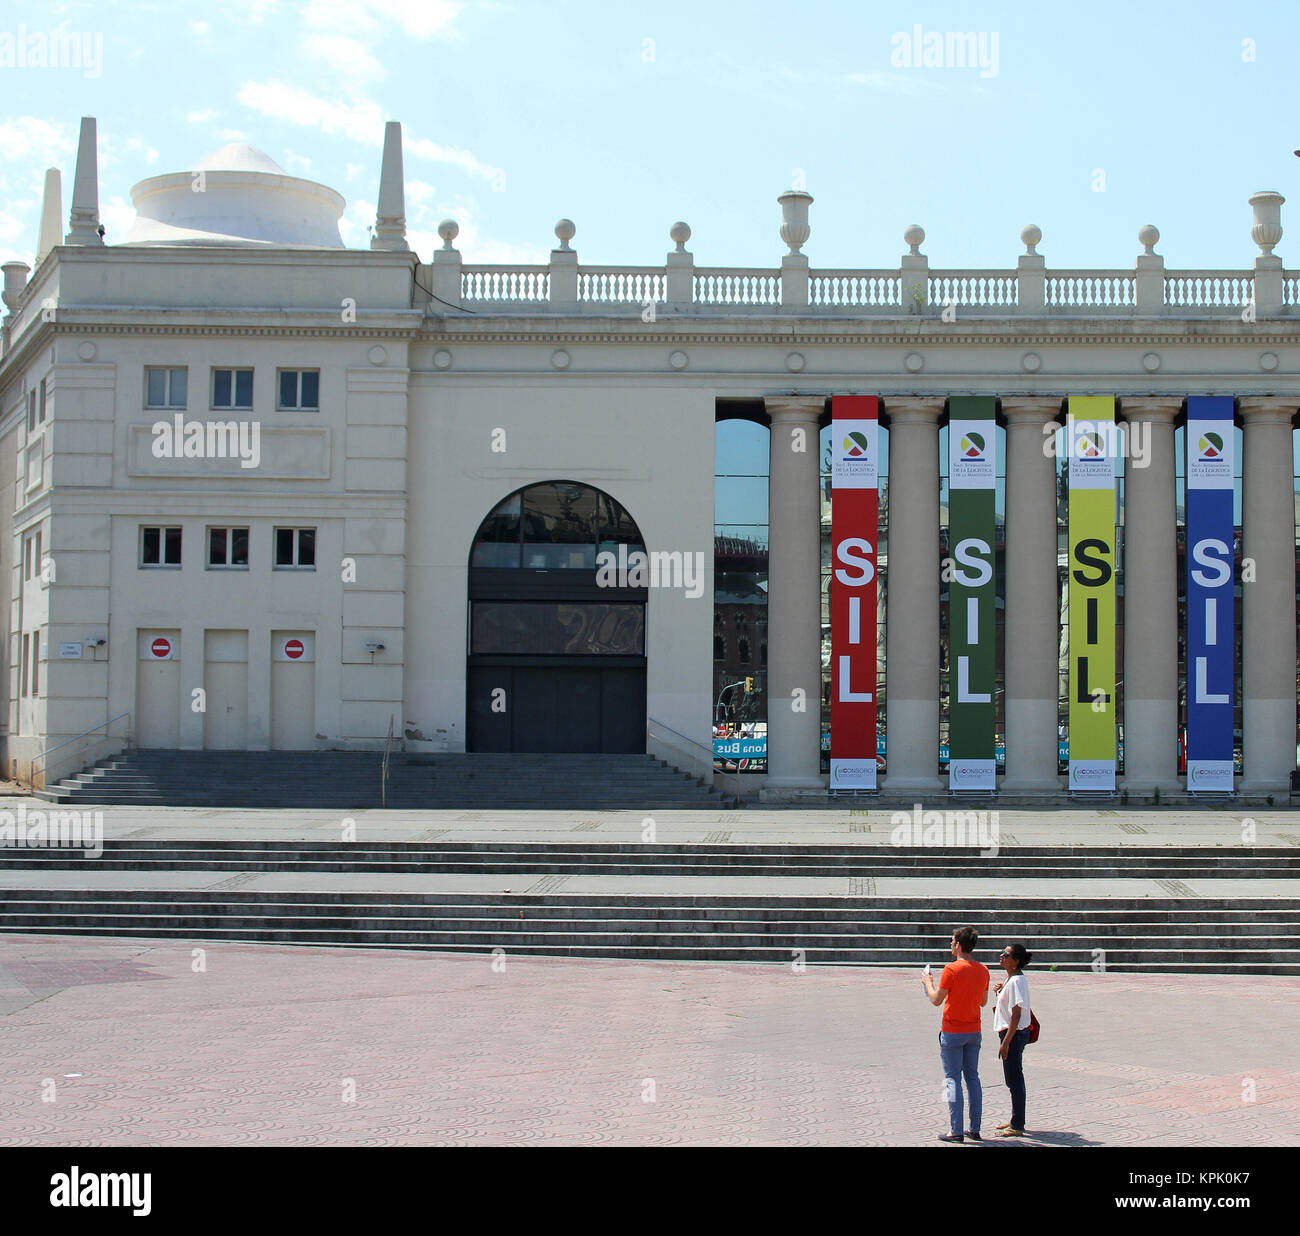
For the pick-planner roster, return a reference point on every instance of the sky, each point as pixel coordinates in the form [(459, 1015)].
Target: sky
[(1088, 121)]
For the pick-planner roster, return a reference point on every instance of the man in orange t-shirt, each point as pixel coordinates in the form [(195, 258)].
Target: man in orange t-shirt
[(963, 990)]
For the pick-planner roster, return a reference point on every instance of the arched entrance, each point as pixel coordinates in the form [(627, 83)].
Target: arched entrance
[(556, 645)]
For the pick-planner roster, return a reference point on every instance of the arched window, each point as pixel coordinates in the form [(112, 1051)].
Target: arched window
[(556, 525)]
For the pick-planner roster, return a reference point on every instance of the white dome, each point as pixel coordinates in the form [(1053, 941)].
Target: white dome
[(239, 157), (236, 196)]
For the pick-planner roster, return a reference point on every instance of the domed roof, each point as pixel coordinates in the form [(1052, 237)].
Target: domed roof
[(239, 157), (238, 195)]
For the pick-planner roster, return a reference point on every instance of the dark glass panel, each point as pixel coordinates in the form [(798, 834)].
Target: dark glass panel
[(545, 628)]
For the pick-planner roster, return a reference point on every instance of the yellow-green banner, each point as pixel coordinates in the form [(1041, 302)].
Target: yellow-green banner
[(1091, 441)]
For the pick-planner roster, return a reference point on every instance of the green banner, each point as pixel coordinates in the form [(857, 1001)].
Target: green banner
[(971, 575)]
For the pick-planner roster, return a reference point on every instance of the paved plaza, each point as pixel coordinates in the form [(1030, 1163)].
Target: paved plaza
[(143, 1043)]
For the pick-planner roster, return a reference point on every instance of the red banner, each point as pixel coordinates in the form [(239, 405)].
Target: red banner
[(855, 476)]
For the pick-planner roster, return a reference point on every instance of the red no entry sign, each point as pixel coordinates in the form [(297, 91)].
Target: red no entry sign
[(293, 649), (161, 648)]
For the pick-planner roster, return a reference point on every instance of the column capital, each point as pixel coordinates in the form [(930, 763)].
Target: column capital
[(1158, 409), (794, 407), (1267, 409), (915, 409), (1031, 409)]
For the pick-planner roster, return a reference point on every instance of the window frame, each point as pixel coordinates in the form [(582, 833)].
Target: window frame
[(162, 564), (296, 564), (233, 405), (229, 530), (167, 405), (299, 406)]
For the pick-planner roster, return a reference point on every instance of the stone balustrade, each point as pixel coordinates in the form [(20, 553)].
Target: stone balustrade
[(911, 288)]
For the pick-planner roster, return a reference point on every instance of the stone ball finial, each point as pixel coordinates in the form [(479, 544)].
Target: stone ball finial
[(1148, 235), (680, 233), (913, 237), (448, 229), (1031, 235), (564, 231)]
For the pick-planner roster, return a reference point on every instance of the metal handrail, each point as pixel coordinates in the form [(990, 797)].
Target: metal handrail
[(650, 721), (76, 738), (383, 771)]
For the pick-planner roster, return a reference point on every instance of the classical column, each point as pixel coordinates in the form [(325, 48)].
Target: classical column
[(912, 596), (1150, 597), (794, 621), (1031, 635), (1268, 602)]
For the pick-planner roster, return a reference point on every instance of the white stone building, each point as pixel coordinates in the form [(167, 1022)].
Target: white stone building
[(345, 545)]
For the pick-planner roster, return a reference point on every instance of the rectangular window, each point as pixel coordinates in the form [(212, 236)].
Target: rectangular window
[(31, 411), (228, 547), (232, 388), (160, 547), (40, 404), (165, 388), (295, 547), (36, 663), (27, 649), (300, 390)]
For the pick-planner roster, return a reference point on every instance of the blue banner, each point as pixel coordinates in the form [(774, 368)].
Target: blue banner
[(1209, 593)]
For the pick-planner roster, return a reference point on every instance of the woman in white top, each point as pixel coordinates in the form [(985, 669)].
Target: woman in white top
[(1011, 1021)]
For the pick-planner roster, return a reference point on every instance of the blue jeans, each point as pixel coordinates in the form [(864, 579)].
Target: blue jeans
[(960, 1054), (1013, 1072)]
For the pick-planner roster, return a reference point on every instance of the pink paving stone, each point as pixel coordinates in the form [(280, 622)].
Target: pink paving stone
[(443, 1050)]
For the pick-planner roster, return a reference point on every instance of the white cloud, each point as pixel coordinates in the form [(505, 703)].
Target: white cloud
[(13, 231), (205, 116), (201, 28), (361, 121), (421, 19), (233, 135), (29, 136), (346, 58), (118, 217), (898, 81), (422, 148), (296, 162)]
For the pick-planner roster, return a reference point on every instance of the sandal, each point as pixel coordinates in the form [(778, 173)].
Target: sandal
[(1011, 1131)]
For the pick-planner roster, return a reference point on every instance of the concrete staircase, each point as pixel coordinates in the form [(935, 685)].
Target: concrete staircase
[(524, 862), (349, 781), (1219, 936), (132, 890)]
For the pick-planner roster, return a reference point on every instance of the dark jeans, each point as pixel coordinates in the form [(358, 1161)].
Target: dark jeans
[(1013, 1073)]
